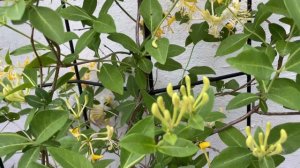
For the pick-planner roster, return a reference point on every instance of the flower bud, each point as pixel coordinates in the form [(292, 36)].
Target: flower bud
[(188, 84), (154, 44), (175, 100), (248, 131), (160, 102), (250, 142), (206, 83), (261, 138), (283, 136), (170, 90), (182, 90), (167, 115)]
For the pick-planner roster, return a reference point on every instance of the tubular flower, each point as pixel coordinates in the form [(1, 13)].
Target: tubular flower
[(109, 133), (203, 145), (228, 18), (261, 148), (188, 7), (13, 96), (183, 104), (77, 112), (95, 157)]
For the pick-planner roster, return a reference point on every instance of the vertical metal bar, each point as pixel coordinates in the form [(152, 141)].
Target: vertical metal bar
[(150, 76), (249, 8), (1, 163), (67, 24)]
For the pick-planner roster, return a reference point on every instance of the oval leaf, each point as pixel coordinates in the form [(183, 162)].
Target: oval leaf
[(232, 44), (241, 100), (111, 78), (46, 123)]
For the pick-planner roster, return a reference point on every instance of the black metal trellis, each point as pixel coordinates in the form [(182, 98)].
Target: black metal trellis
[(152, 91)]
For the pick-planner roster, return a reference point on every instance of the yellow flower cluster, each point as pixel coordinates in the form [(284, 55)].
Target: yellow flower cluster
[(262, 148), (183, 104)]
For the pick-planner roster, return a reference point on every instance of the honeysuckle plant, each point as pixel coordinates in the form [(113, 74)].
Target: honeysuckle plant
[(90, 105)]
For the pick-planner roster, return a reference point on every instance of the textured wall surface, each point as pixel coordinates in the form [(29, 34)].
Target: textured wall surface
[(203, 55)]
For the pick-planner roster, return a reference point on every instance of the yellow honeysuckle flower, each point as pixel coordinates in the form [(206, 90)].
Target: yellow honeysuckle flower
[(75, 132), (109, 134), (95, 157), (261, 148), (203, 145), (186, 103)]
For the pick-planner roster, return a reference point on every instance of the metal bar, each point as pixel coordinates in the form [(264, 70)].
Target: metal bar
[(1, 163), (212, 79), (249, 8), (67, 24)]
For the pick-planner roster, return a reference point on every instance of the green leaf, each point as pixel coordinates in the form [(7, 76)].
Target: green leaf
[(278, 7), (175, 50), (262, 14), (69, 159), (293, 8), (126, 109), (46, 59), (170, 65), (129, 159), (293, 132), (182, 148), (170, 138), (140, 79), (85, 39), (266, 162), (145, 65), (11, 142), (89, 6), (232, 84), (104, 24), (28, 157), (64, 79), (103, 163), (7, 58), (214, 116), (46, 123), (232, 136), (293, 62), (284, 91), (198, 32), (105, 7), (241, 100), (256, 32), (197, 122), (201, 70), (74, 13), (125, 41), (145, 126), (111, 78), (232, 44), (48, 22), (161, 52), (138, 143), (27, 49), (68, 36), (16, 11), (34, 101), (277, 31), (232, 157), (152, 13), (254, 62)]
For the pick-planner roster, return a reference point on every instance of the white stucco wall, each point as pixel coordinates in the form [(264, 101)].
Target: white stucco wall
[(202, 56)]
